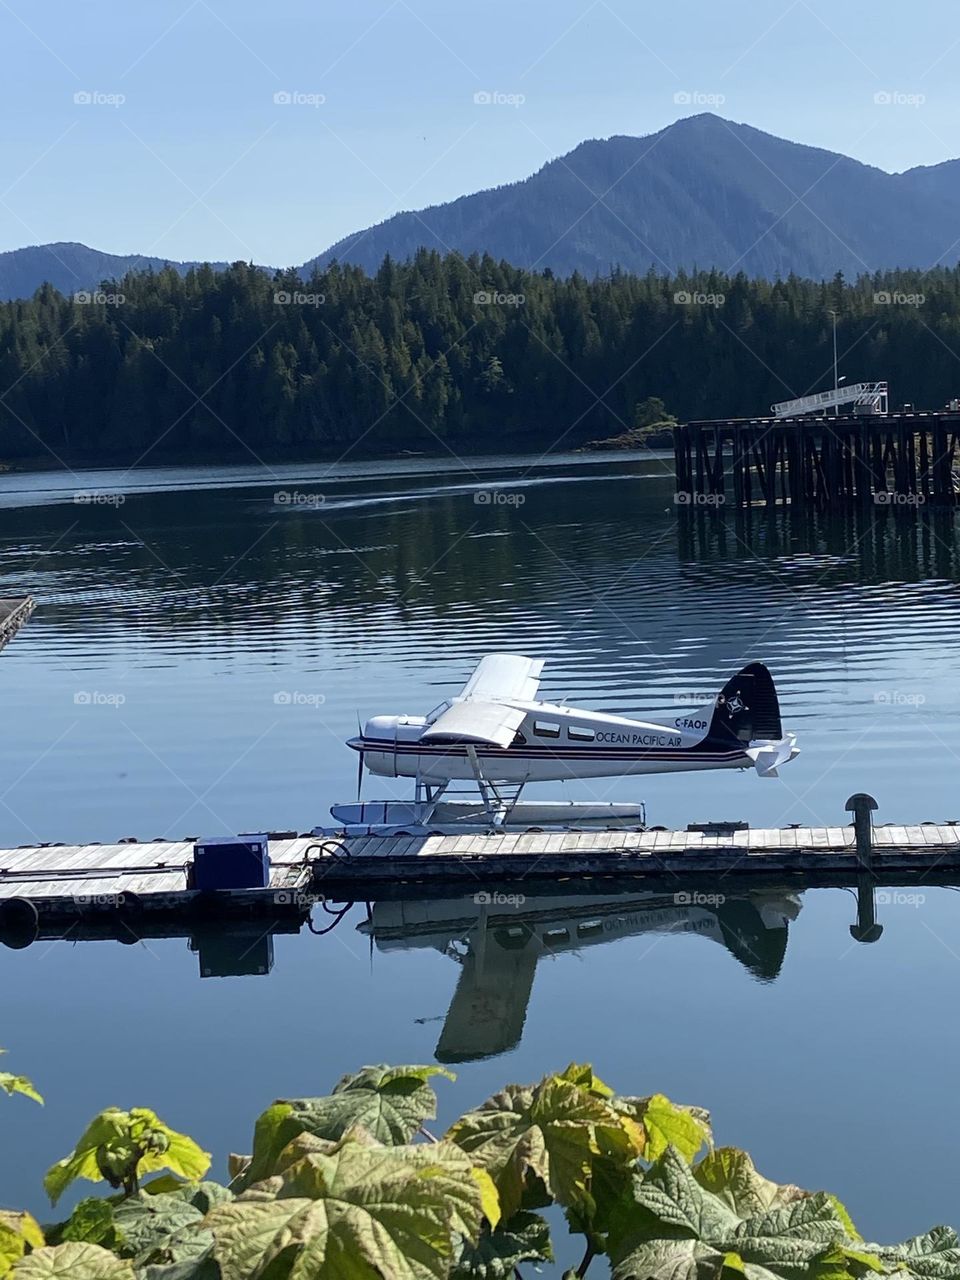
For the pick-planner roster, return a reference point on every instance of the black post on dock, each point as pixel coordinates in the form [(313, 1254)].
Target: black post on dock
[(866, 929), (861, 806)]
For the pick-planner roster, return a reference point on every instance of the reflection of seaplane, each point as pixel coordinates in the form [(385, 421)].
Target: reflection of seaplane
[(495, 735), (498, 940)]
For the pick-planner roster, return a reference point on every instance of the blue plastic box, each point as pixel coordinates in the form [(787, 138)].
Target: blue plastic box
[(232, 862)]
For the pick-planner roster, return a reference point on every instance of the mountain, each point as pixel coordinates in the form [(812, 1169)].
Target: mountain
[(71, 268), (703, 192)]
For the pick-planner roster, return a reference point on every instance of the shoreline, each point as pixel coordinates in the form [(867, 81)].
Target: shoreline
[(504, 452)]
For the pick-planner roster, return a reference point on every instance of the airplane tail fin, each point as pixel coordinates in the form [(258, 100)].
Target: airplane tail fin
[(747, 708)]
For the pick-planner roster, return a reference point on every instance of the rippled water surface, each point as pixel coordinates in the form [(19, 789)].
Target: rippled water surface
[(202, 648)]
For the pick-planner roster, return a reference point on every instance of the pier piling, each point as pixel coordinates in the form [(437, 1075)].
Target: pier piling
[(894, 459)]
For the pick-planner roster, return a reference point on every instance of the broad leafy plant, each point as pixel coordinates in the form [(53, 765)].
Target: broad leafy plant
[(352, 1186), (11, 1084)]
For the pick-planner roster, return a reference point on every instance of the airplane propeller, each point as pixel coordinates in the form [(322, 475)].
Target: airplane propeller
[(359, 759)]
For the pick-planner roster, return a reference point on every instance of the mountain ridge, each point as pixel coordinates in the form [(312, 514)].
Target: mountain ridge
[(704, 192)]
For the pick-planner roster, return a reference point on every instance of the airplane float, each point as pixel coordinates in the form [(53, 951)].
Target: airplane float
[(496, 736)]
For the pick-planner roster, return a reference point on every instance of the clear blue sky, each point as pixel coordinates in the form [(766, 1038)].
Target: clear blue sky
[(199, 161)]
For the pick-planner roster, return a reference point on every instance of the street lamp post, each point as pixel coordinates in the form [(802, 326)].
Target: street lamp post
[(836, 380)]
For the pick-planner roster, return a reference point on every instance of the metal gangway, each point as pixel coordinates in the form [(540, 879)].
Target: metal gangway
[(866, 398)]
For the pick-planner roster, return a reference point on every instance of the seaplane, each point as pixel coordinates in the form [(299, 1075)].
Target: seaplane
[(496, 736)]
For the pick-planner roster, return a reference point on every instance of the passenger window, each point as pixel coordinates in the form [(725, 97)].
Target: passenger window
[(545, 729), (577, 734)]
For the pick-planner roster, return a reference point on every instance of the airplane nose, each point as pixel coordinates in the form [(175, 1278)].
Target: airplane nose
[(381, 727)]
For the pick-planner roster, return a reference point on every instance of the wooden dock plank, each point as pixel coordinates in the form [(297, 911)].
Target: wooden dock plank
[(82, 876)]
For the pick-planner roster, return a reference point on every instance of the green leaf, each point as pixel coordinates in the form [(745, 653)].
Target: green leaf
[(357, 1213), (665, 1124), (391, 1103), (12, 1084), (546, 1139), (19, 1232), (147, 1222), (201, 1267), (724, 1217), (934, 1256), (525, 1238), (121, 1146), (581, 1074), (730, 1175), (73, 1261), (202, 1195), (91, 1222)]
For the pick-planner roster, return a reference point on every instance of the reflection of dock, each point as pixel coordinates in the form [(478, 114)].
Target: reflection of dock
[(224, 949), (13, 614), (141, 887), (498, 944)]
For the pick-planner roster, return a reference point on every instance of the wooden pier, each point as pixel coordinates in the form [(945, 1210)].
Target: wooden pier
[(14, 611), (896, 459), (150, 885), (144, 884), (371, 866)]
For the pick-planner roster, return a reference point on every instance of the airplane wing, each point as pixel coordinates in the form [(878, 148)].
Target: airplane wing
[(481, 722), (504, 676)]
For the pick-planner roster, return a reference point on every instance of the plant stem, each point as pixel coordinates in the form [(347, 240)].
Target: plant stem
[(588, 1257)]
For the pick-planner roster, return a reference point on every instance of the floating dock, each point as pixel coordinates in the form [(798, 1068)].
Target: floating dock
[(371, 866), (45, 886), (894, 459), (14, 611), (41, 886)]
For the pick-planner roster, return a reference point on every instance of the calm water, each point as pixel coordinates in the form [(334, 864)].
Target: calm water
[(202, 649)]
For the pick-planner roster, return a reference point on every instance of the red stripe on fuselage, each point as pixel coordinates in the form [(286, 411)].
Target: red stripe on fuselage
[(389, 747)]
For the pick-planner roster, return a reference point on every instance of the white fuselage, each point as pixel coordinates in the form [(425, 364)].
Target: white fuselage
[(552, 743)]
